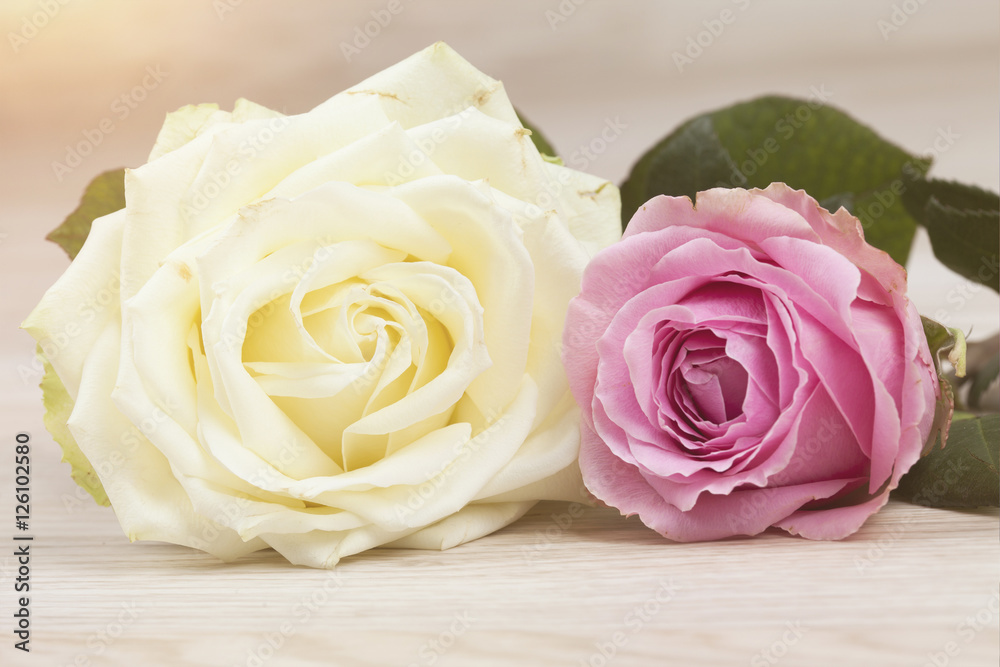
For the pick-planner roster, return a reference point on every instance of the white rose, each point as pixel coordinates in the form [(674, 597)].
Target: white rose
[(336, 330)]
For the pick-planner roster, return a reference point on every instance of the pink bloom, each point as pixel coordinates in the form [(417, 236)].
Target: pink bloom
[(746, 363)]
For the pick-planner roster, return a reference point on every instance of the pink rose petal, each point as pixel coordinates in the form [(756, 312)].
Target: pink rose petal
[(744, 363)]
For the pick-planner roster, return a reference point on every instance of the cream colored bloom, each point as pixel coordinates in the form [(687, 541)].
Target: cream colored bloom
[(336, 330)]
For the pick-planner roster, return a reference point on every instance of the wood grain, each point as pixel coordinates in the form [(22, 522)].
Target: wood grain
[(913, 584), (543, 591)]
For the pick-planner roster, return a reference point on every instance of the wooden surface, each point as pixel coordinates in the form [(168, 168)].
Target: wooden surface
[(532, 594), (912, 586)]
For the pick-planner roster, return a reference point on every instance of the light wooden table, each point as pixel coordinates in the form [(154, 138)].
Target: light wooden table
[(541, 592), (914, 587)]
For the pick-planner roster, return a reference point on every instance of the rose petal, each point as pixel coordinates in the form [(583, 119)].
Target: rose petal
[(84, 301), (148, 501), (431, 84), (832, 524), (715, 516), (716, 210)]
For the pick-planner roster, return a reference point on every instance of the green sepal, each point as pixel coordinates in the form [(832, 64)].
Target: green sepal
[(105, 194), (540, 141), (58, 406), (940, 340), (958, 467)]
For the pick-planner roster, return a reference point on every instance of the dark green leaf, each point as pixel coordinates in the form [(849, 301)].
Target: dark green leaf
[(805, 144), (105, 194), (537, 138), (889, 228), (963, 222), (964, 473), (834, 202), (686, 162)]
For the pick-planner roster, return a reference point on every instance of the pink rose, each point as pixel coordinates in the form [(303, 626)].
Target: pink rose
[(746, 363)]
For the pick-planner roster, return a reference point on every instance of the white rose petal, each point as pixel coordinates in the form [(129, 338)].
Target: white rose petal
[(336, 330)]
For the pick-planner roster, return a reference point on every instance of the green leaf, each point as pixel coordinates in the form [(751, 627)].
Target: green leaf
[(105, 194), (541, 143), (963, 474), (686, 162), (889, 228), (834, 202), (805, 144), (58, 406), (963, 222)]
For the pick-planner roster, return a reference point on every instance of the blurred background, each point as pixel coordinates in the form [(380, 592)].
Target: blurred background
[(85, 85)]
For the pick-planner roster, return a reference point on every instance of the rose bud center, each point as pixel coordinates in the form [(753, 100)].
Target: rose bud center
[(700, 389)]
